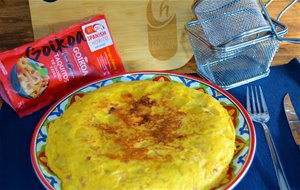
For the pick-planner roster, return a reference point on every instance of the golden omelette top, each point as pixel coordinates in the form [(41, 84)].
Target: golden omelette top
[(142, 135)]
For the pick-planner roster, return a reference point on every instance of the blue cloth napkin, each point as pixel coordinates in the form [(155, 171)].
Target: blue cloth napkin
[(261, 175), (16, 171)]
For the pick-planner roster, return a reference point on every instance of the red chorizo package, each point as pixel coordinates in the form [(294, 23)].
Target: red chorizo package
[(34, 75)]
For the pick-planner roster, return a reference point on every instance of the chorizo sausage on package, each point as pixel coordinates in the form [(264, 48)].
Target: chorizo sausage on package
[(34, 75)]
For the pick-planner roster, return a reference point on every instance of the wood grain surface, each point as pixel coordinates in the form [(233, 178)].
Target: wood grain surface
[(16, 29), (15, 24), (149, 34)]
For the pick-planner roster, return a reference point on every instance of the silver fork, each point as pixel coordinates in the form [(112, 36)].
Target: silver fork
[(258, 111)]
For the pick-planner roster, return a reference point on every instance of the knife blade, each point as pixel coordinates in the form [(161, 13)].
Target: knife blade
[(292, 118)]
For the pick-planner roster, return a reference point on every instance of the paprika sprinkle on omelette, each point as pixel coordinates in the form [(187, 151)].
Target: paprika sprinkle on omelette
[(142, 135)]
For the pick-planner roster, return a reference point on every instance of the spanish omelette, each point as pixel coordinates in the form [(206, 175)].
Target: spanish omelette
[(142, 135)]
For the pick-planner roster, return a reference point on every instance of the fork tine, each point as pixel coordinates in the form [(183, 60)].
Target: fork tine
[(248, 101), (263, 102), (257, 100), (263, 118), (253, 101)]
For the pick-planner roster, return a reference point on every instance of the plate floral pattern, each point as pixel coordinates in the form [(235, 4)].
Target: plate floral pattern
[(245, 133)]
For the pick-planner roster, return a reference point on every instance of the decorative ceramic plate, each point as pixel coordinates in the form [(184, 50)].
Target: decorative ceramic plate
[(245, 133)]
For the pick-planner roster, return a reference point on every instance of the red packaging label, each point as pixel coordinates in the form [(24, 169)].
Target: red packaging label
[(34, 75)]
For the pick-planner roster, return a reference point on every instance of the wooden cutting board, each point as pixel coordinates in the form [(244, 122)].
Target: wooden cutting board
[(149, 34)]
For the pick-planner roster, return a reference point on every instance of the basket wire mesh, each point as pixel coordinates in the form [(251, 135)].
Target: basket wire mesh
[(232, 41), (222, 20)]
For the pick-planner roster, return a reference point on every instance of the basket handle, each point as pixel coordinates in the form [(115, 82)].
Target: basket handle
[(291, 40)]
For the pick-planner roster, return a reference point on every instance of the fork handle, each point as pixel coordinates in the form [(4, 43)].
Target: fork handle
[(282, 181)]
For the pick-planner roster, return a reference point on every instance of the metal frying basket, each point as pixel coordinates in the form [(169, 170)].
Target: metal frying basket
[(229, 56), (221, 20)]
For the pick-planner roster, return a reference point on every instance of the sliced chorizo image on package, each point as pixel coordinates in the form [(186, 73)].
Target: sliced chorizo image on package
[(29, 78), (34, 75)]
